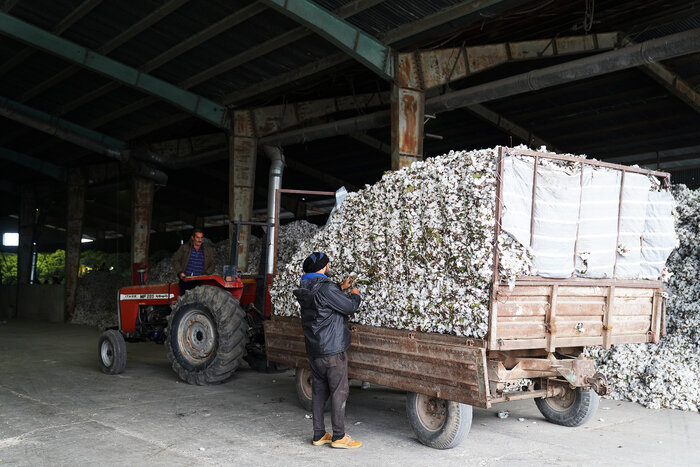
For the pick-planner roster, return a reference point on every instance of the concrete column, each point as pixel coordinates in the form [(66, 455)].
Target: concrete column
[(28, 210), (243, 151), (75, 210), (142, 210), (407, 115)]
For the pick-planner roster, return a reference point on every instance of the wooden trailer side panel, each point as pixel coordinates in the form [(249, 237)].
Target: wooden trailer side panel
[(447, 367), (575, 313)]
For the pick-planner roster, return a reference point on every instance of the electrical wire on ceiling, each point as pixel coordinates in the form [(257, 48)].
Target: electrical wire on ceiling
[(588, 16), (518, 13)]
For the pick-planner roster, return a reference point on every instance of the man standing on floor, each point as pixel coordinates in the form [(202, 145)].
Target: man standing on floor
[(324, 313), (193, 258)]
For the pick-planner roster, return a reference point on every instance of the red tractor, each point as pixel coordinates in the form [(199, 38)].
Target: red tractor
[(209, 330)]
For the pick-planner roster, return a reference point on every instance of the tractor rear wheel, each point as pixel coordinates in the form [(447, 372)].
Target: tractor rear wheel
[(206, 335)]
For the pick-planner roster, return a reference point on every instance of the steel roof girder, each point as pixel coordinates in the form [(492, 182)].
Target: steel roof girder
[(426, 69), (197, 105), (358, 44), (34, 163), (59, 127)]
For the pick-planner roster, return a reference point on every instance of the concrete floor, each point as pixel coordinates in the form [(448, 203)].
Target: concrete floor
[(57, 408)]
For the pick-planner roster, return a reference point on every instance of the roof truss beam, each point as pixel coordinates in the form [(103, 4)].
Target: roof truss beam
[(83, 137), (241, 59), (108, 47), (432, 68), (670, 80), (7, 5), (371, 142), (351, 40), (509, 127), (63, 129), (194, 104), (83, 9), (190, 43), (34, 163), (455, 12), (663, 48)]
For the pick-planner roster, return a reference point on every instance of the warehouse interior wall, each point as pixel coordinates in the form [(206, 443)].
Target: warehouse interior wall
[(8, 302), (40, 302)]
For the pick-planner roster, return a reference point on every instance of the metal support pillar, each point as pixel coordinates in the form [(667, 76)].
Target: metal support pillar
[(407, 115), (142, 209), (28, 208), (243, 151), (75, 209)]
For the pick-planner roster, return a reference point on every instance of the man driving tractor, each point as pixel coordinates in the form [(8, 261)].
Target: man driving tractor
[(194, 258)]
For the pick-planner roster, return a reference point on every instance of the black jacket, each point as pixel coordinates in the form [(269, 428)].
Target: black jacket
[(324, 312)]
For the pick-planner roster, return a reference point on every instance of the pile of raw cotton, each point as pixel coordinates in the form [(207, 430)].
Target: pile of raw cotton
[(420, 244), (668, 374), (96, 299)]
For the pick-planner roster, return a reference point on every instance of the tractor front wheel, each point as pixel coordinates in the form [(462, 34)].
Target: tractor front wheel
[(112, 352), (206, 335)]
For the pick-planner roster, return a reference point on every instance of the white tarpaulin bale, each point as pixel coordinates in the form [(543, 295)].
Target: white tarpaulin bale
[(556, 217), (517, 198), (596, 247), (568, 204), (659, 234), (635, 197)]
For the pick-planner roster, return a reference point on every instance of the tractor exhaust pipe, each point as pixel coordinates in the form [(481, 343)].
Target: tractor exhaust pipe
[(274, 183)]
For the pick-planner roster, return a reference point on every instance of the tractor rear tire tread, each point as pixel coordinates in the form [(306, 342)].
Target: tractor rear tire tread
[(231, 328)]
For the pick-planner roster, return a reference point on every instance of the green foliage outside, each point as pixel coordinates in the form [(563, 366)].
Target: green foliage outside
[(51, 267)]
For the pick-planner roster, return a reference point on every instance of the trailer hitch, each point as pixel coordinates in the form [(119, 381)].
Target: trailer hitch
[(598, 383)]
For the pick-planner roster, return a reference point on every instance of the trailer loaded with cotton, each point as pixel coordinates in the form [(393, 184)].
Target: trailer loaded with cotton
[(484, 275)]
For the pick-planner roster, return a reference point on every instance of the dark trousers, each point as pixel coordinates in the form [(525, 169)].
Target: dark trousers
[(330, 379)]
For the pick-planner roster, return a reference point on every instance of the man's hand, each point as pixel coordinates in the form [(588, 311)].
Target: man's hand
[(355, 291), (347, 283), (182, 275)]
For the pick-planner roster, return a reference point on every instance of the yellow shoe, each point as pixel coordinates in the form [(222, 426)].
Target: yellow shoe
[(325, 439), (346, 442)]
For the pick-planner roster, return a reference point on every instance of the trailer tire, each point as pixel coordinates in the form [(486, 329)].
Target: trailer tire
[(111, 350), (574, 408), (304, 390), (436, 422), (206, 335), (303, 380)]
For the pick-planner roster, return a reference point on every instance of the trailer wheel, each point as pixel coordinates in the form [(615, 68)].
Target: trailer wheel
[(438, 423), (303, 379), (206, 335), (573, 408), (304, 390), (112, 352)]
